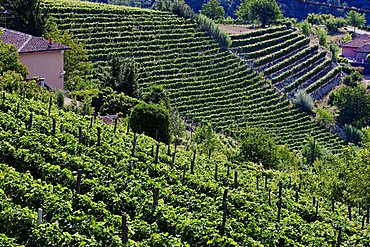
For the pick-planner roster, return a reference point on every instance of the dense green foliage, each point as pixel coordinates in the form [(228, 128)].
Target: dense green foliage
[(9, 60), (29, 17), (355, 19), (264, 11), (85, 175), (200, 78), (353, 104), (213, 10), (153, 120)]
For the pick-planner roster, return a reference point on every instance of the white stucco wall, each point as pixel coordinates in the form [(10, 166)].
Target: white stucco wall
[(48, 65)]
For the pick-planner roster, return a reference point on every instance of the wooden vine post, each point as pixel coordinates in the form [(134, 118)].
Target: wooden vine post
[(39, 216), (339, 241), (30, 121), (91, 122), (124, 229), (131, 165), (78, 183), (368, 215), (157, 154), (133, 145), (280, 200), (173, 160), (236, 180), (216, 172), (79, 134), (269, 196), (317, 209), (257, 181), (266, 180), (296, 196), (192, 167), (53, 127), (313, 201), (228, 170), (155, 197), (50, 104), (349, 212), (115, 125), (332, 205), (99, 132), (224, 209)]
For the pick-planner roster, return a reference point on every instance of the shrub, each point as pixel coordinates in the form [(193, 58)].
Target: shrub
[(304, 101), (118, 103), (259, 147), (81, 95), (353, 134), (325, 118), (305, 27), (322, 35), (210, 27), (150, 118), (60, 99)]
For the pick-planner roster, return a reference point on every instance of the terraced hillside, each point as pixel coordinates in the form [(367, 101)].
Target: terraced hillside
[(64, 184), (204, 82), (289, 60)]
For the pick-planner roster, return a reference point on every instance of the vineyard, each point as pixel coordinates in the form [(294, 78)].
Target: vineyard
[(288, 60), (204, 81), (71, 180)]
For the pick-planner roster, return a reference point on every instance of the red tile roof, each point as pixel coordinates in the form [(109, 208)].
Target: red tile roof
[(26, 43), (364, 49), (358, 42)]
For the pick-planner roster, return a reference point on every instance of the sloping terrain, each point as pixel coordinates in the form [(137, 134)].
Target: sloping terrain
[(288, 60), (101, 190), (204, 82)]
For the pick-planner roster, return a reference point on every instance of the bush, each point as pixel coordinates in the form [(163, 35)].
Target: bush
[(259, 147), (209, 26), (118, 103), (150, 118), (303, 101), (60, 99), (81, 95), (312, 150), (353, 134), (322, 35), (305, 27), (325, 118)]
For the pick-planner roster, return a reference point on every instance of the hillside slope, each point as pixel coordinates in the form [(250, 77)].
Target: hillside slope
[(100, 189), (204, 82), (289, 60)]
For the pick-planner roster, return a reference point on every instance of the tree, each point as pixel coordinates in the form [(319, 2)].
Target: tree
[(29, 17), (322, 35), (213, 10), (157, 95), (123, 77), (258, 147), (9, 59), (353, 104), (305, 27), (153, 120), (265, 11), (206, 139), (77, 66), (304, 101), (355, 19), (334, 50), (325, 118)]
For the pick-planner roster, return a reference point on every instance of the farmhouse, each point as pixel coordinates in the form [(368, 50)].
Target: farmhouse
[(357, 49), (44, 59)]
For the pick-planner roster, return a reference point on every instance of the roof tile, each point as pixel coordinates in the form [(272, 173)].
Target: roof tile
[(26, 43)]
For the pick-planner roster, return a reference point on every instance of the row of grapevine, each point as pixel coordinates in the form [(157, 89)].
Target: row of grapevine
[(202, 79), (291, 65), (83, 187)]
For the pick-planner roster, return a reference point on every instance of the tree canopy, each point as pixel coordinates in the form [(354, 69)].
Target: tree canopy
[(265, 11), (213, 10), (355, 19)]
